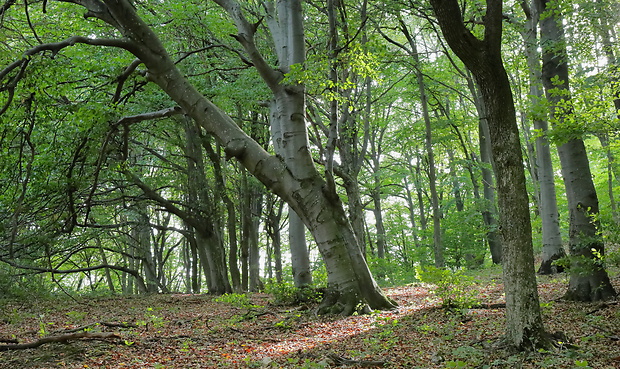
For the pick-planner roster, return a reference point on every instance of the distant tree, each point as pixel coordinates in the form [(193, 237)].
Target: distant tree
[(589, 280)]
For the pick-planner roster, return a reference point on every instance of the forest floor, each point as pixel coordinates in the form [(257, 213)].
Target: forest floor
[(201, 331)]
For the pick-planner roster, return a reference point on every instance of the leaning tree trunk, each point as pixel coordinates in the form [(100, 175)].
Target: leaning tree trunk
[(483, 58), (589, 280), (294, 178)]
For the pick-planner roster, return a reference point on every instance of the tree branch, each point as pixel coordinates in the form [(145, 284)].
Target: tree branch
[(61, 338), (164, 113), (245, 36)]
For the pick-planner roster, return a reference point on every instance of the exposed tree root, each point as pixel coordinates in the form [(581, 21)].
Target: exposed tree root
[(61, 338), (342, 303)]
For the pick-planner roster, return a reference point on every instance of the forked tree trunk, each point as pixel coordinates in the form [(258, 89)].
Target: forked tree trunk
[(589, 280), (483, 58), (293, 177)]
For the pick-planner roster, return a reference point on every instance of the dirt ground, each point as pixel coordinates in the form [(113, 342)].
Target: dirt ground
[(201, 331)]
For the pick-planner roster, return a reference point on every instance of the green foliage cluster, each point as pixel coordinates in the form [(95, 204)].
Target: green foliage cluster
[(22, 287), (285, 293), (454, 288), (238, 300)]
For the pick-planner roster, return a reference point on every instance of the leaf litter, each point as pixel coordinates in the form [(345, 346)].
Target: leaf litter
[(201, 331)]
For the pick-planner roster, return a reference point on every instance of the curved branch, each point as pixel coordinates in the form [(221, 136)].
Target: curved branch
[(55, 48), (5, 7), (245, 36), (123, 77)]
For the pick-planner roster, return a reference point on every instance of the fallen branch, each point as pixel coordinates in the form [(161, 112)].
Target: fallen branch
[(610, 334), (602, 306), (61, 338), (339, 360), (105, 324)]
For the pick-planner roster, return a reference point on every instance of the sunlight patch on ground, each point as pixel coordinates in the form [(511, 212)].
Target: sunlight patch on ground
[(411, 300)]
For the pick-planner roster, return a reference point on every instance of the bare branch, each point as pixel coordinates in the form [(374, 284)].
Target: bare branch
[(3, 9), (61, 338), (123, 77), (164, 113)]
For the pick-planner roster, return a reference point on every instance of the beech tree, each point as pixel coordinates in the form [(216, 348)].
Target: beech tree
[(291, 174), (589, 280)]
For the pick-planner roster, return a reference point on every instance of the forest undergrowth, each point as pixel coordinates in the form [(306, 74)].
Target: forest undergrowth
[(253, 331)]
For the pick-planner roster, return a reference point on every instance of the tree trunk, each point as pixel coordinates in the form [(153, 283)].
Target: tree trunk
[(430, 155), (204, 215), (293, 177), (483, 58), (552, 248), (273, 218), (488, 181), (300, 259), (231, 215), (589, 280)]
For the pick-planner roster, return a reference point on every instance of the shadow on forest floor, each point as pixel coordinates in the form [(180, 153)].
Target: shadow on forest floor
[(199, 331)]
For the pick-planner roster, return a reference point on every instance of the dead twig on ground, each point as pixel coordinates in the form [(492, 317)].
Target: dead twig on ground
[(61, 338)]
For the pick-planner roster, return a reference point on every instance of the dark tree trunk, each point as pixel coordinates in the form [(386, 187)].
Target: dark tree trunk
[(483, 59)]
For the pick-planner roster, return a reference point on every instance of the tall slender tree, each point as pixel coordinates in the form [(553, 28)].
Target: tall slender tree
[(589, 280), (483, 58)]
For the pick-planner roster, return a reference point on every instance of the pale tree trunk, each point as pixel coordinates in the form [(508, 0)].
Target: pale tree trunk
[(343, 127), (273, 217), (293, 176), (438, 250), (552, 249), (611, 173), (256, 205), (607, 34), (589, 280), (104, 259), (375, 193), (141, 236), (300, 258), (483, 58), (279, 20)]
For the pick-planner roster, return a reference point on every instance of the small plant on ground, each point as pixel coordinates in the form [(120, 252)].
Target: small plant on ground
[(454, 288), (286, 293), (239, 300)]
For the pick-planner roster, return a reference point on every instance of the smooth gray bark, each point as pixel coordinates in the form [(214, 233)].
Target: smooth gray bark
[(293, 177), (589, 280), (552, 248), (300, 258)]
